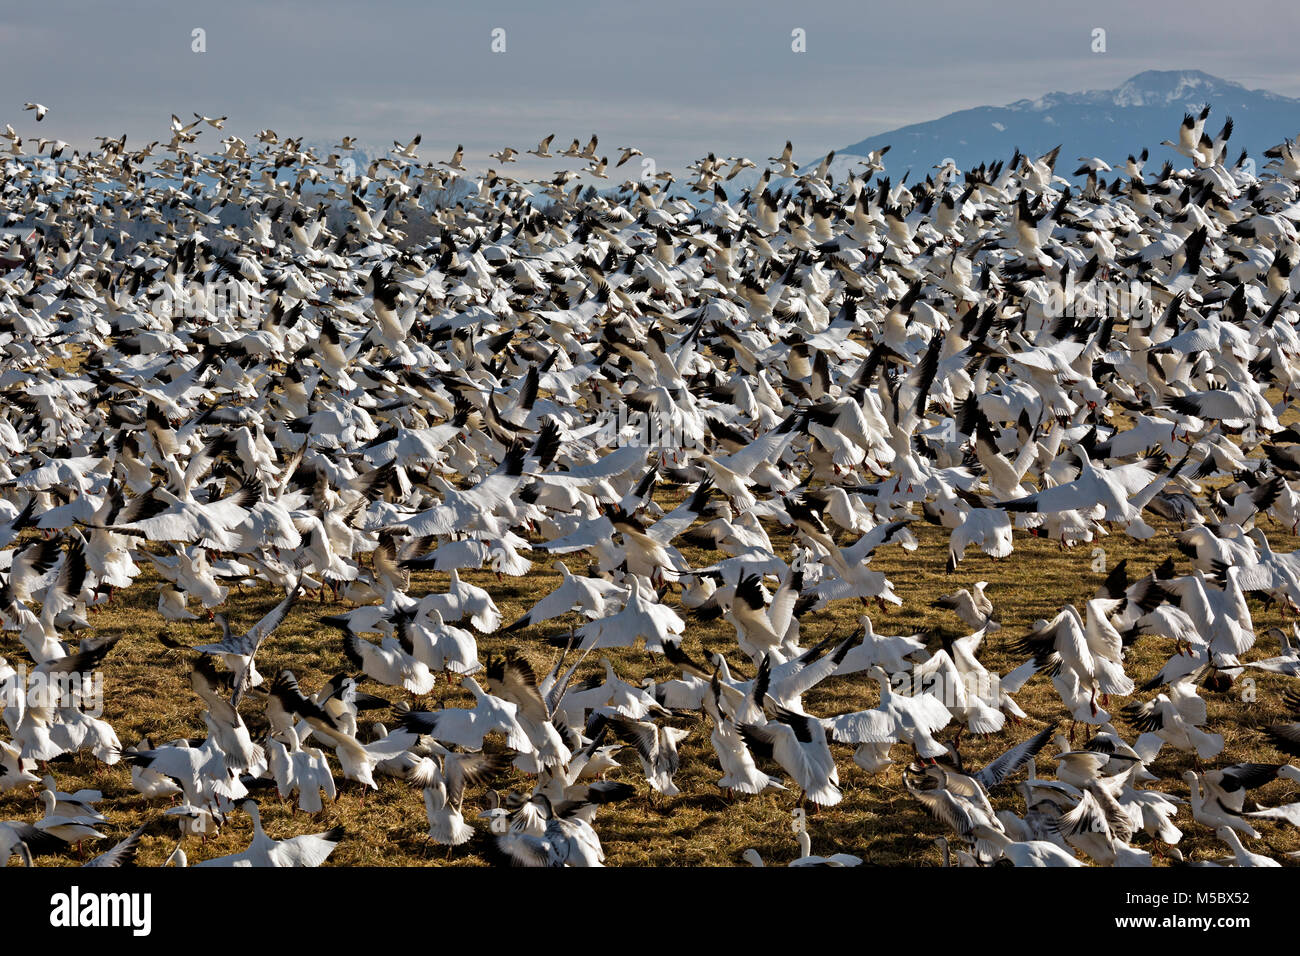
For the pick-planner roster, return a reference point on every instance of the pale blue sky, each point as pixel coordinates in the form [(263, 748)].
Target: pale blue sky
[(675, 78)]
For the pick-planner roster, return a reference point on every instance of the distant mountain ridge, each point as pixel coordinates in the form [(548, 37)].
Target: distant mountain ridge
[(1110, 124)]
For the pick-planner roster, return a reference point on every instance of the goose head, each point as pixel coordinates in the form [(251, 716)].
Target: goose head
[(1229, 836), (471, 685), (1257, 535), (724, 669), (250, 807)]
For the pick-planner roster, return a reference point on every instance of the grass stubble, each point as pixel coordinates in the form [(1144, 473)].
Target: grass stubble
[(147, 693)]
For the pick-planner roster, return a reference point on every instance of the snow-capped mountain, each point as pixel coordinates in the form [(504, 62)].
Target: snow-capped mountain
[(1109, 124), (362, 154)]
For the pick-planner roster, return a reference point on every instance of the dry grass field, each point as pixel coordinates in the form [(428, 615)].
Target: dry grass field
[(147, 693)]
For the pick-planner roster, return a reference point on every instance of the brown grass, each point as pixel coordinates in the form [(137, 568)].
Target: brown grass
[(147, 693)]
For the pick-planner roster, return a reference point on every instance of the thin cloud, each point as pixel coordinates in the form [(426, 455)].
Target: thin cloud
[(676, 78)]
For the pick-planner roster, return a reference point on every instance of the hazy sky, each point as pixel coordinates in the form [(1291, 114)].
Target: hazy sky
[(675, 78)]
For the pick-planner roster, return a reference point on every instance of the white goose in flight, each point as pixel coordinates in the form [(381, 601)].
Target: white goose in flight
[(311, 849)]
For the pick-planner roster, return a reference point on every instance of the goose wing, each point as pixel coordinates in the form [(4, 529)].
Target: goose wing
[(998, 770)]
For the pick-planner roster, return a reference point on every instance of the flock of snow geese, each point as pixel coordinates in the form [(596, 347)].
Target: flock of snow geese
[(419, 368)]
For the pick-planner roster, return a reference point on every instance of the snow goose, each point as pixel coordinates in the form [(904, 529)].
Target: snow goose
[(1081, 662), (797, 742), (26, 841), (300, 770), (1288, 813), (1241, 855), (1095, 488), (1223, 616), (640, 619), (896, 718), (543, 148), (238, 653), (970, 791), (1101, 828), (198, 772), (646, 553), (588, 596), (1079, 767), (1207, 549), (311, 849), (999, 770), (67, 825), (656, 746), (14, 771), (1175, 719), (989, 528), (740, 773), (78, 805), (439, 646), (985, 694), (564, 841), (513, 680), (343, 702), (39, 734), (1152, 810), (1038, 853), (390, 662), (444, 792), (295, 768), (853, 578), (973, 607), (956, 801), (122, 853), (465, 600), (187, 521), (456, 159), (1288, 661), (749, 612), (357, 761), (466, 727), (806, 858), (612, 694), (1208, 803), (225, 725), (892, 652), (786, 682)]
